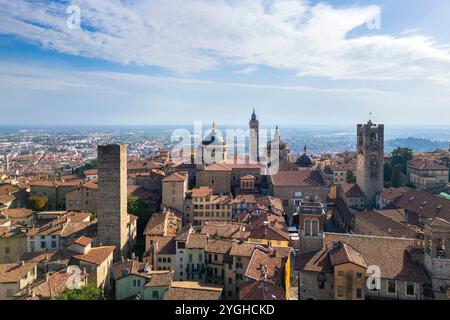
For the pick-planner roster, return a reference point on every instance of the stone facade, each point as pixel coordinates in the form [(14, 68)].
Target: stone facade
[(370, 161), (82, 199), (174, 189), (112, 194), (215, 176)]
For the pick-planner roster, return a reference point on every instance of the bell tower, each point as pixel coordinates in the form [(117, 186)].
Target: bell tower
[(370, 160), (254, 138)]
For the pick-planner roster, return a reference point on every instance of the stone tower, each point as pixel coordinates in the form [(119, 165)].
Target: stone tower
[(112, 215), (370, 160), (254, 138)]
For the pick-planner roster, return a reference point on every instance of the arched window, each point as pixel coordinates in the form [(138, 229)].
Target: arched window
[(315, 227), (307, 227)]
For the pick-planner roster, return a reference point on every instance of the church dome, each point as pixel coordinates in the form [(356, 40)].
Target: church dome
[(305, 161), (213, 137)]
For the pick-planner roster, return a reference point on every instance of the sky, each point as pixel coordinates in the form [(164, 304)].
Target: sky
[(297, 62)]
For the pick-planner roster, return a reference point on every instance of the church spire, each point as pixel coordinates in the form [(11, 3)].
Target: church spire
[(253, 115)]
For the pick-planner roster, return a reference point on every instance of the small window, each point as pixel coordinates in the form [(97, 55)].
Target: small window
[(359, 275), (340, 292), (392, 287), (155, 295), (358, 293), (410, 289), (340, 273)]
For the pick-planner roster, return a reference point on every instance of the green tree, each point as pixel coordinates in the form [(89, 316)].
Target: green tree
[(88, 166), (401, 156), (397, 176), (140, 208), (37, 203), (387, 172), (351, 178), (88, 292)]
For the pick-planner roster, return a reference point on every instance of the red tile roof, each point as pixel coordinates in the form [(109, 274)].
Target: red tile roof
[(300, 178), (352, 190), (17, 213)]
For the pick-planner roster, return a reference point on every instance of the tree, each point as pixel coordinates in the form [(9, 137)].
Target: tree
[(401, 156), (351, 178), (88, 292), (397, 176), (37, 203), (140, 208), (387, 172), (93, 164)]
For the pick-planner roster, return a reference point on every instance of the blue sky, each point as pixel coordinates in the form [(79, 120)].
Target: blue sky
[(172, 62)]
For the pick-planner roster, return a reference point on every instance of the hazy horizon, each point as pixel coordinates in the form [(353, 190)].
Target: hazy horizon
[(152, 62)]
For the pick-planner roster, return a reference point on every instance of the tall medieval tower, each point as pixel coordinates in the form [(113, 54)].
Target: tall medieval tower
[(112, 215), (370, 160), (254, 138)]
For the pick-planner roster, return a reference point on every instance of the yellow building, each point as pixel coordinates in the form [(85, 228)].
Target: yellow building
[(13, 242), (204, 206), (14, 277), (96, 261)]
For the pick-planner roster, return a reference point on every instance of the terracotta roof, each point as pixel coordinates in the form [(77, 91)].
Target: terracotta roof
[(96, 255), (42, 183), (17, 213), (342, 253), (352, 190), (242, 249), (13, 272), (270, 227), (132, 267), (196, 241), (218, 246), (217, 167), (7, 188), (225, 230), (201, 192), (425, 164), (12, 230), (349, 166), (91, 172), (393, 193), (93, 184), (390, 254), (424, 204), (6, 199), (160, 279), (186, 290), (83, 241), (61, 256), (391, 222), (48, 286), (175, 177), (245, 165), (300, 178), (261, 290), (264, 265), (143, 164), (163, 223)]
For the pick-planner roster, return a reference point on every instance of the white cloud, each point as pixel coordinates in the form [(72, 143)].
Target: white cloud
[(196, 35), (118, 83), (247, 70)]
